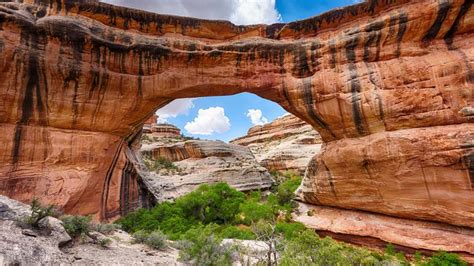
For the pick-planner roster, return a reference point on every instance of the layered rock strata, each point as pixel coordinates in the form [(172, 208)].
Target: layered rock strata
[(387, 84), (407, 235), (284, 145), (199, 162)]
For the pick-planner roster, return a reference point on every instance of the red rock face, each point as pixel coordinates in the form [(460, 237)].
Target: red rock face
[(387, 84)]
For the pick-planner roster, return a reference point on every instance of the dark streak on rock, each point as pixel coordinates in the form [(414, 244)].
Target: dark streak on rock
[(301, 67), (108, 179), (402, 27), (330, 178), (308, 100), (449, 36), (443, 10), (374, 35), (32, 39), (355, 85), (333, 51), (391, 27), (272, 31), (468, 161)]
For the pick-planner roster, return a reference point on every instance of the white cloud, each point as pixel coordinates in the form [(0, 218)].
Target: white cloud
[(255, 12), (257, 117), (209, 121), (174, 109), (237, 11)]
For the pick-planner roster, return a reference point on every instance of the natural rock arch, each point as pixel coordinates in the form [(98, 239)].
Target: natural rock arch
[(388, 84)]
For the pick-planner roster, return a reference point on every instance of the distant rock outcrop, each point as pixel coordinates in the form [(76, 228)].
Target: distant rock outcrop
[(286, 144), (197, 162)]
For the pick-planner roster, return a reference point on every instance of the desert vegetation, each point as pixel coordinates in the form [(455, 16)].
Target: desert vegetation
[(200, 220)]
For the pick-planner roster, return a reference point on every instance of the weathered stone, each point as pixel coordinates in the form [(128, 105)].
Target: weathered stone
[(202, 162), (56, 230), (286, 144), (401, 232)]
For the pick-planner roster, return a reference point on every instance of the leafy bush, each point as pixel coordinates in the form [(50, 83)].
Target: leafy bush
[(286, 190), (309, 249), (203, 247), (140, 236), (252, 211), (290, 230), (156, 240), (105, 229), (38, 212), (234, 232), (159, 164), (105, 242), (442, 258), (218, 203), (77, 225)]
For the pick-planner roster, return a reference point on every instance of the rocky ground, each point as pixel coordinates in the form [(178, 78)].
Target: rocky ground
[(198, 162), (286, 144), (51, 245)]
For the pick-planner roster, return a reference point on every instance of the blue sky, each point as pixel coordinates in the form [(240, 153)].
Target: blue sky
[(228, 117), (237, 107)]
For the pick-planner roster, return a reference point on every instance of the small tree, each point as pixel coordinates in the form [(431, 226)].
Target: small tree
[(38, 212), (267, 233)]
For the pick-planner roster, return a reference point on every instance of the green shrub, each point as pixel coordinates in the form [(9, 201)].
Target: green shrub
[(39, 211), (77, 225), (252, 211), (286, 190), (203, 247), (156, 240), (105, 229), (140, 237), (442, 258), (308, 249), (290, 230), (234, 232), (218, 203), (105, 242), (159, 164)]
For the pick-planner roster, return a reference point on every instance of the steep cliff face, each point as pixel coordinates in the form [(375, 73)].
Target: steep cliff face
[(286, 144), (199, 162), (387, 84)]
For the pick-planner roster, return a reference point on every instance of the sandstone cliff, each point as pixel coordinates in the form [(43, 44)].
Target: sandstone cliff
[(197, 162), (387, 84), (286, 144)]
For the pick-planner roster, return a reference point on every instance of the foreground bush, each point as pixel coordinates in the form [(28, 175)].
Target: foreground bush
[(155, 239), (443, 258), (202, 247), (39, 211), (77, 226), (309, 249), (217, 204)]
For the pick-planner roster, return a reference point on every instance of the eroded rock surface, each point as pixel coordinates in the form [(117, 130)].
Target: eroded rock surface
[(286, 144), (201, 162), (387, 84), (401, 232)]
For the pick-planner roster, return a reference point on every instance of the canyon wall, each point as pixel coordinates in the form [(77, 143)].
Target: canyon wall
[(388, 84), (197, 162), (285, 145)]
